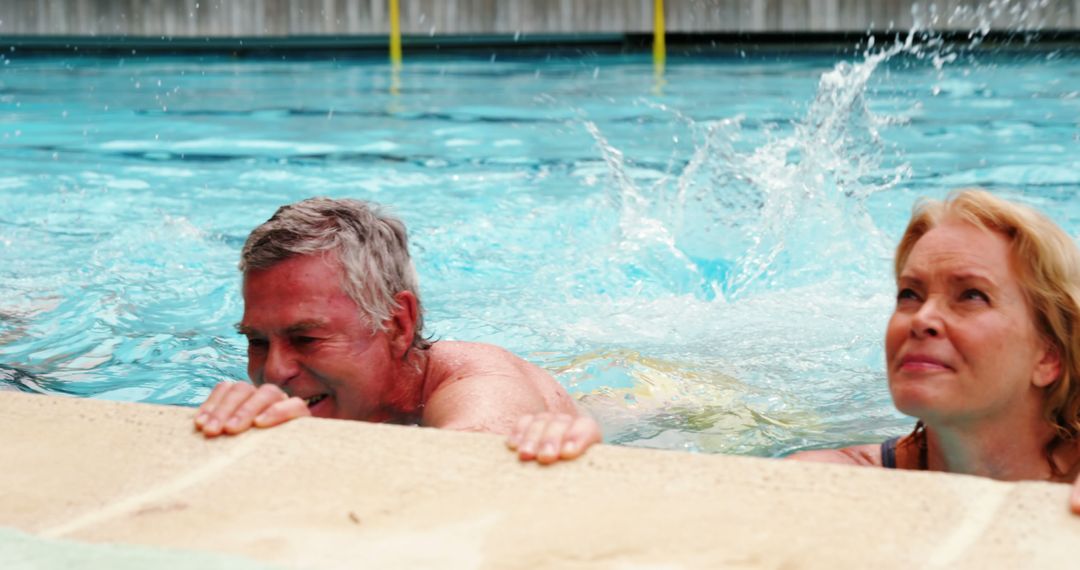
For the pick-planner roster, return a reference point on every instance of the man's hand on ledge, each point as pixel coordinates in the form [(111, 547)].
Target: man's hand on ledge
[(549, 437), (235, 407)]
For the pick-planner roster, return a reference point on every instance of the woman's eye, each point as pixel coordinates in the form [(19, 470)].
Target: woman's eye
[(974, 295), (907, 295)]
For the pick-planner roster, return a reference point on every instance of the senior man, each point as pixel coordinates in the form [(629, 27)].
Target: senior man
[(334, 325)]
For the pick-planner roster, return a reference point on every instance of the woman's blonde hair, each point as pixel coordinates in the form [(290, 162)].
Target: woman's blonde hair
[(1048, 263)]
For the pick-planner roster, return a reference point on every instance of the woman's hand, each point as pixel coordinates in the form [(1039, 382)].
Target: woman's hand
[(549, 437), (1074, 499)]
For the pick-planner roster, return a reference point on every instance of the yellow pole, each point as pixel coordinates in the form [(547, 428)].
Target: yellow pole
[(395, 34), (659, 48), (395, 52)]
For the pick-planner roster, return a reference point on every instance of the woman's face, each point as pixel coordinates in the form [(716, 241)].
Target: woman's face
[(962, 346)]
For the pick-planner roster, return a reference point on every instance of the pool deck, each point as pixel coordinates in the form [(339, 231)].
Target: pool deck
[(195, 18), (334, 494)]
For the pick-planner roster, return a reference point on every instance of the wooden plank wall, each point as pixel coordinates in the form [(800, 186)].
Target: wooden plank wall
[(196, 18)]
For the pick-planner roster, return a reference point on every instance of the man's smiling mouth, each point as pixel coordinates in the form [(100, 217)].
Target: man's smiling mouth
[(315, 399)]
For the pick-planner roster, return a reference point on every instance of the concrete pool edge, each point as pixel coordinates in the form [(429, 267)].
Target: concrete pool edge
[(333, 494)]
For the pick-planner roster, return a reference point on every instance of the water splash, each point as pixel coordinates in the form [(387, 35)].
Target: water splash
[(760, 210), (731, 222), (642, 234)]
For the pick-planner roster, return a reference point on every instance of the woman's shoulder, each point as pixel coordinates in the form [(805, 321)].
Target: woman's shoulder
[(864, 455)]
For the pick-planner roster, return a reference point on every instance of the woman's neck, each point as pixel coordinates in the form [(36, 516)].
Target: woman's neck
[(1008, 447)]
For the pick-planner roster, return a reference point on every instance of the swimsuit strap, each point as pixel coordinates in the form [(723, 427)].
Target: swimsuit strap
[(888, 453)]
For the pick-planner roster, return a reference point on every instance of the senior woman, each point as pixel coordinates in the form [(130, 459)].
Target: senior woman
[(983, 348)]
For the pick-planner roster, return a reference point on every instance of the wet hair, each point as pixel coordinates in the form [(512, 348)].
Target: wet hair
[(1048, 265), (370, 245)]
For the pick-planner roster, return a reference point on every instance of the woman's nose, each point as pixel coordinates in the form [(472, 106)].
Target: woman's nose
[(927, 321)]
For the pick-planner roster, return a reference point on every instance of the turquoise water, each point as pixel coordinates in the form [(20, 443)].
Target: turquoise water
[(703, 261), (22, 551)]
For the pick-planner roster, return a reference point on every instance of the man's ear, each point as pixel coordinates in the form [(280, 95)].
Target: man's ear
[(401, 326), (1048, 369)]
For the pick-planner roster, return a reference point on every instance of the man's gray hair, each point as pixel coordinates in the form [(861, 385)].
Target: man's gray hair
[(370, 244)]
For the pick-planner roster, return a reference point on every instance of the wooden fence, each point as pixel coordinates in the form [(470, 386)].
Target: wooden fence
[(269, 18)]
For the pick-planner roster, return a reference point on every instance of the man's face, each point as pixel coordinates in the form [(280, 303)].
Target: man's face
[(308, 337)]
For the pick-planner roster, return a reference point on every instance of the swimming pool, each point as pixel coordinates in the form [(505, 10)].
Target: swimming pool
[(703, 261)]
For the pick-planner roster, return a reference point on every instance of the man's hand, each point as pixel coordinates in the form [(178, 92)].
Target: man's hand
[(234, 407), (549, 437)]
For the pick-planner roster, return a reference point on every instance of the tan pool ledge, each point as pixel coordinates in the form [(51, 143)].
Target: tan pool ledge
[(335, 494)]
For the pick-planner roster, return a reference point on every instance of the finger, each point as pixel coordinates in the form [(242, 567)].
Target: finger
[(551, 441), (582, 433), (281, 412), (1074, 500), (265, 396), (212, 401), (519, 431), (236, 394), (530, 440)]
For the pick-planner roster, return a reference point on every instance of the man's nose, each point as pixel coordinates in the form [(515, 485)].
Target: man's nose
[(281, 365), (928, 321)]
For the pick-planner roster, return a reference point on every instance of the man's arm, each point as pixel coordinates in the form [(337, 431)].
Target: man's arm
[(488, 403), (499, 405), (491, 390)]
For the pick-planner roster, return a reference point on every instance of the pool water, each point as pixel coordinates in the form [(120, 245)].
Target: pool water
[(704, 261)]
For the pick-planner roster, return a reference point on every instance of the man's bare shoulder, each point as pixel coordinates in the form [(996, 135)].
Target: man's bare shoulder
[(478, 386), (459, 359), (461, 347), (864, 455)]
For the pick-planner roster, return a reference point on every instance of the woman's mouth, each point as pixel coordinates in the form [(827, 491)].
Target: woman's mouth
[(921, 363)]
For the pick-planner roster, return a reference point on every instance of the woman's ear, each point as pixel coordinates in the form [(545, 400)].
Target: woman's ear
[(1048, 369), (401, 326)]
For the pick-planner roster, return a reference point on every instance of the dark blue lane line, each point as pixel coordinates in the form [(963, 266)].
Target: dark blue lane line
[(46, 152)]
